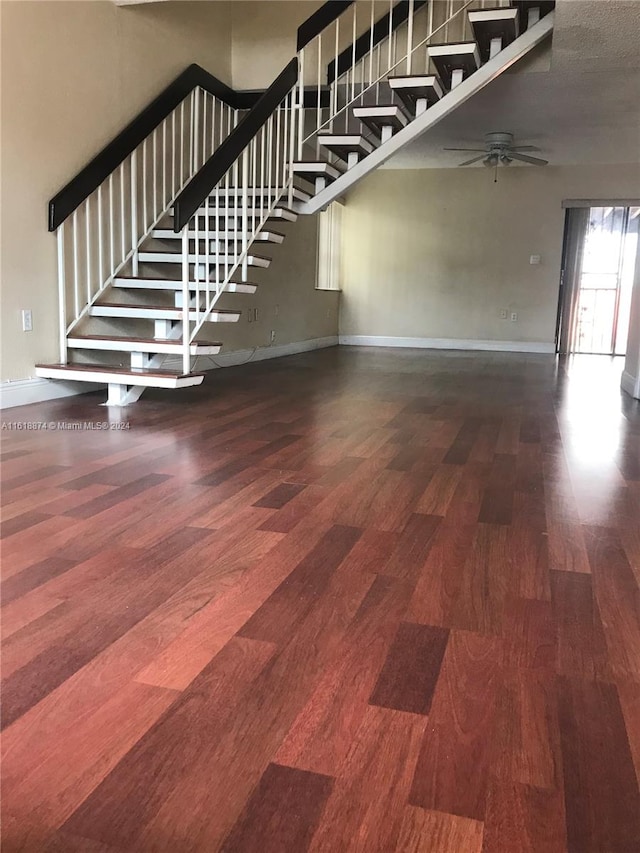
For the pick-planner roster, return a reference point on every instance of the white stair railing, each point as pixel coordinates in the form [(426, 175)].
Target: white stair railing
[(226, 205), (103, 233), (356, 54)]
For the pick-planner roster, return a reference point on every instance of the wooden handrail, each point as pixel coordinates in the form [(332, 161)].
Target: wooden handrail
[(320, 20), (112, 155)]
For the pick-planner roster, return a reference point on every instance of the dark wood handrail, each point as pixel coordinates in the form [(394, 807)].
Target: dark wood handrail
[(320, 20), (232, 147), (399, 15), (112, 155)]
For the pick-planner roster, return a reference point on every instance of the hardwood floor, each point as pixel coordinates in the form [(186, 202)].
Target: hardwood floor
[(353, 600)]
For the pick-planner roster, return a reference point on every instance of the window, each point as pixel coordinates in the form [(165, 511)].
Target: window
[(329, 248)]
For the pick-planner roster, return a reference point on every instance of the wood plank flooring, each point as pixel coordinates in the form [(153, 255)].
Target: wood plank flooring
[(353, 600)]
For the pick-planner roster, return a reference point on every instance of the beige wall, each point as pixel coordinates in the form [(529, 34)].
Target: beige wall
[(264, 38), (438, 253)]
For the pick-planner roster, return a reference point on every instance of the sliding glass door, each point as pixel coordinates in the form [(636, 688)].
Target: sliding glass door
[(599, 255)]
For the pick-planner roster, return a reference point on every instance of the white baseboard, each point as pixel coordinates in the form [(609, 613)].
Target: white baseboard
[(446, 343), (22, 392), (238, 357), (630, 384)]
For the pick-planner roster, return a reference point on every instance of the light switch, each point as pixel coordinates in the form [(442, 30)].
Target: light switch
[(534, 259)]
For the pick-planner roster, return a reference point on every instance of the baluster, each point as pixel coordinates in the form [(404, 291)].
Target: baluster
[(87, 237), (123, 239), (164, 163), (207, 243), (410, 36), (62, 294), (277, 150), (372, 24), (390, 36), (262, 172), (111, 229), (100, 247), (353, 53), (173, 156), (319, 92), (154, 154), (204, 125), (134, 211), (182, 144), (144, 185), (76, 294), (301, 105), (245, 215), (186, 354), (270, 161), (334, 83)]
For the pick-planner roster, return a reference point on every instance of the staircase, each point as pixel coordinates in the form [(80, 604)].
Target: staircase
[(186, 203)]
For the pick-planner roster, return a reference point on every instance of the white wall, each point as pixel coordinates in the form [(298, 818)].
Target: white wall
[(438, 253), (631, 375)]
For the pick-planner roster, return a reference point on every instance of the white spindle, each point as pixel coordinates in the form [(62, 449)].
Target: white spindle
[(123, 236), (62, 294), (76, 293), (301, 105), (410, 36), (182, 143), (207, 243), (353, 52), (101, 280), (164, 162), (245, 214), (134, 212), (145, 219), (111, 228), (371, 26), (87, 237), (186, 356), (319, 95)]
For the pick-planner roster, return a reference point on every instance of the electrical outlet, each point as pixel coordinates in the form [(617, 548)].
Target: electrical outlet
[(514, 316), (503, 313), (272, 337), (27, 320)]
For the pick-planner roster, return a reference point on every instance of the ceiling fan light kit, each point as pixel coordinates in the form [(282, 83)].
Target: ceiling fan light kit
[(500, 150)]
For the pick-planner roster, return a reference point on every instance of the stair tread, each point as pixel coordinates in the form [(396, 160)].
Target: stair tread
[(120, 371)]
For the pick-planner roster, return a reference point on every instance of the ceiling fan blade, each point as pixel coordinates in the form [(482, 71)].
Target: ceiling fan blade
[(535, 161), (473, 160), (464, 149)]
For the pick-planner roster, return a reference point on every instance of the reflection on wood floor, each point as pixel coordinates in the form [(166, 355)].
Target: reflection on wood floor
[(352, 600)]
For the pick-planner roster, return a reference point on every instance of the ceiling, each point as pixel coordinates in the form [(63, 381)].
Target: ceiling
[(577, 99)]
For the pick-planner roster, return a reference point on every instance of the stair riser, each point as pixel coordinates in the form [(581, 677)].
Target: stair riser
[(165, 348), (160, 314), (220, 260)]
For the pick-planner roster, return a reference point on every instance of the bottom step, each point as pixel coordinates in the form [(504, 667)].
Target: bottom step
[(145, 377)]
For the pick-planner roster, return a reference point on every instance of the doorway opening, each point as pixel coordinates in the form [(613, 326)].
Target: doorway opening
[(600, 245)]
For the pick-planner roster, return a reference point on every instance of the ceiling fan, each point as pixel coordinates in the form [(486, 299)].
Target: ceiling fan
[(499, 150)]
